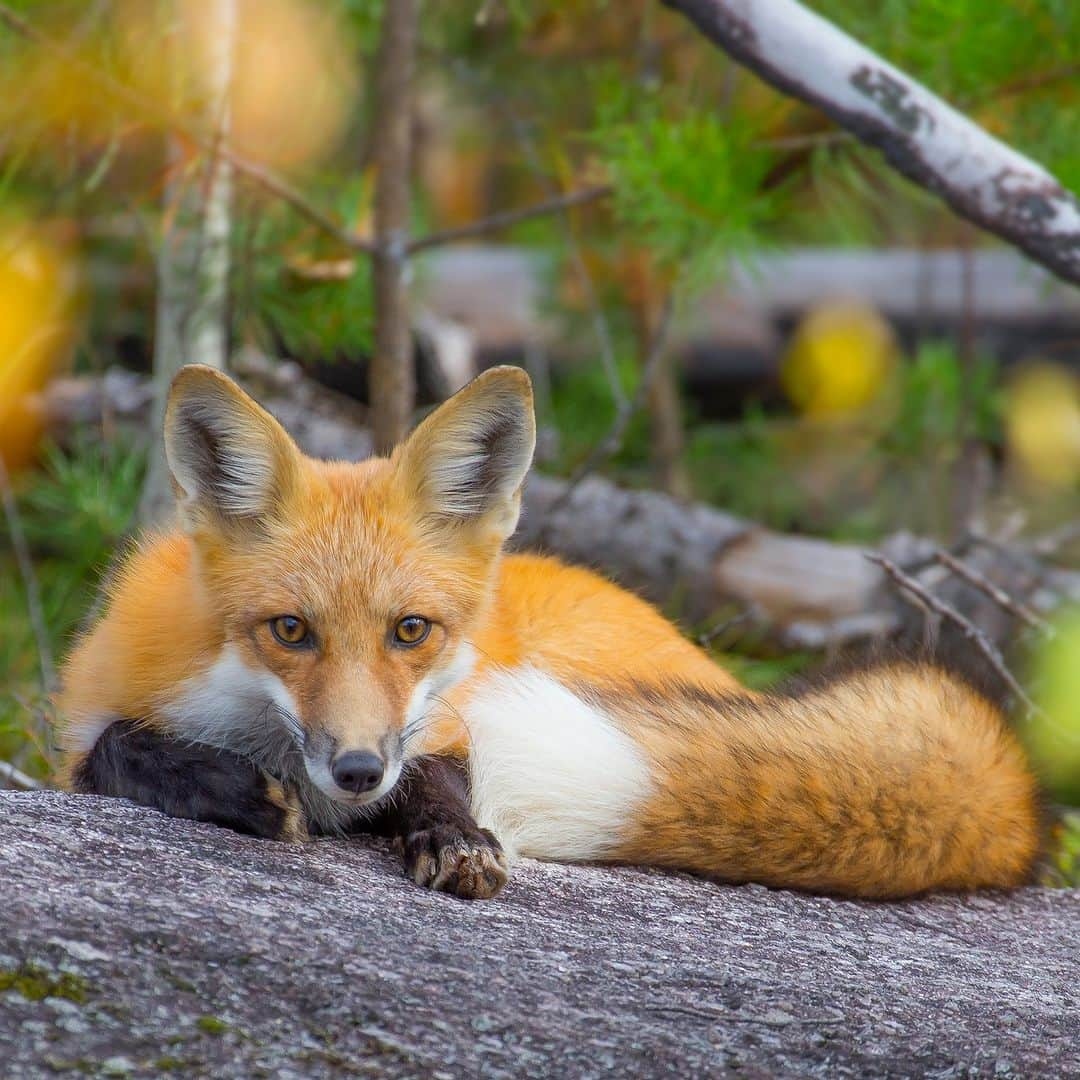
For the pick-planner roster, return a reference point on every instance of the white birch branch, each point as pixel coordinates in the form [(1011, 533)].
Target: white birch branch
[(921, 136), (192, 262)]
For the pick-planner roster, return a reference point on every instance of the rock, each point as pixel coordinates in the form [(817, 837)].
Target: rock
[(184, 949)]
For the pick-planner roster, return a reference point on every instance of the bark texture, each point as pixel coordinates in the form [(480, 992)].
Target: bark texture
[(921, 136), (138, 945), (393, 380)]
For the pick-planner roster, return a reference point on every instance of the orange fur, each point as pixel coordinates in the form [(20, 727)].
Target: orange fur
[(888, 782)]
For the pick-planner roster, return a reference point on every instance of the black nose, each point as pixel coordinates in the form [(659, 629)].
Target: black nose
[(358, 771)]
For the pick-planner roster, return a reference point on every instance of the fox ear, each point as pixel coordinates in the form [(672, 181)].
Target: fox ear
[(466, 462), (232, 461)]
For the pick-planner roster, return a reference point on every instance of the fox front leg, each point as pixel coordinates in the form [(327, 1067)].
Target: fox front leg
[(443, 846), (188, 780)]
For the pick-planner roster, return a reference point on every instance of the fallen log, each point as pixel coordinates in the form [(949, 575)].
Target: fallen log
[(228, 956), (694, 560)]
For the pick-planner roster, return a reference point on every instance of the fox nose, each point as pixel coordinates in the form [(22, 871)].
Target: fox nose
[(358, 771)]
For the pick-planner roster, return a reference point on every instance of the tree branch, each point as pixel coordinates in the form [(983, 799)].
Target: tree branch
[(12, 777), (921, 136), (611, 443), (507, 218), (392, 379), (1000, 597)]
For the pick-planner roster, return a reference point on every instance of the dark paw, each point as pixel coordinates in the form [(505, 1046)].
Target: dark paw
[(189, 780), (465, 863)]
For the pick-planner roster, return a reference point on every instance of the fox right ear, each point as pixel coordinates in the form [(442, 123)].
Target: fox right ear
[(232, 461), (466, 462)]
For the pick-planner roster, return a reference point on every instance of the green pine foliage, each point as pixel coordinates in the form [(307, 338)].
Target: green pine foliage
[(74, 512), (688, 183)]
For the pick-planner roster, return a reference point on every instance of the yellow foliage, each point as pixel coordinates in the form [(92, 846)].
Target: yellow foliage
[(839, 360), (293, 78), (1042, 422), (38, 305)]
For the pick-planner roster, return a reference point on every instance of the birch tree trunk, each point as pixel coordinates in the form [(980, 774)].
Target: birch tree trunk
[(393, 380), (193, 256), (981, 178)]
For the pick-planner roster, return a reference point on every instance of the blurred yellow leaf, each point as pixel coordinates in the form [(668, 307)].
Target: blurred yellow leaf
[(38, 303), (1042, 423), (292, 81), (839, 360)]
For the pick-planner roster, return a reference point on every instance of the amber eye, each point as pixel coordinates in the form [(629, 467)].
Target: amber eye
[(412, 630), (290, 630)]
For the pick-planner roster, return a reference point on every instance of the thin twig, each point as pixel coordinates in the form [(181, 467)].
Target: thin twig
[(29, 579), (506, 218), (1003, 600), (601, 328), (12, 777), (706, 639), (610, 444), (1052, 542), (988, 649), (811, 140)]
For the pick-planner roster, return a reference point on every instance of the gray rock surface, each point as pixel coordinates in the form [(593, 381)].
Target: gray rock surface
[(135, 945)]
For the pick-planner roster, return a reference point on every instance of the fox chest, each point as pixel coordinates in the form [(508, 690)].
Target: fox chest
[(551, 775)]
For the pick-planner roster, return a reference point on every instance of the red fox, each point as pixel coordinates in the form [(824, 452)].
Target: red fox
[(320, 643)]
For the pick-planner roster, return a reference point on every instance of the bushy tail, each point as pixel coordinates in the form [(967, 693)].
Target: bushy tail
[(889, 781)]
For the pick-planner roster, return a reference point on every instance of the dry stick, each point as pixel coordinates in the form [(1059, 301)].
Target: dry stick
[(922, 137), (601, 328), (30, 582), (706, 639), (928, 600), (1003, 600), (508, 107), (506, 218), (12, 777), (1052, 542), (269, 180)]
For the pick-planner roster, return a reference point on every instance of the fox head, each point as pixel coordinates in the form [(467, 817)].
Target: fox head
[(344, 593)]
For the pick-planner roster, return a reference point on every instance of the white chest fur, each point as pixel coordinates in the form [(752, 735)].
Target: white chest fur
[(551, 775)]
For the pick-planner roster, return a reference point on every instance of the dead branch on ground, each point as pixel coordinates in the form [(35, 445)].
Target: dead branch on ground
[(14, 778), (910, 588)]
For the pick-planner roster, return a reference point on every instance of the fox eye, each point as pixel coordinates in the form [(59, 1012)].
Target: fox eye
[(411, 630), (290, 630)]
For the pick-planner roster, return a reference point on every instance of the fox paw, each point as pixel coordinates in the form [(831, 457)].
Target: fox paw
[(470, 864), (293, 827)]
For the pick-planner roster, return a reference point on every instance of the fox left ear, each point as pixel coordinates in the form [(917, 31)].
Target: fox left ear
[(466, 462), (232, 461)]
